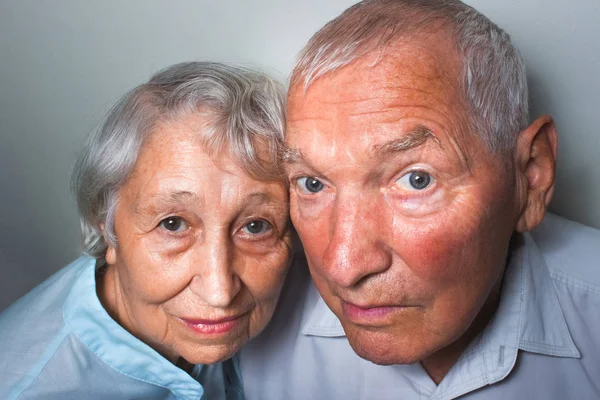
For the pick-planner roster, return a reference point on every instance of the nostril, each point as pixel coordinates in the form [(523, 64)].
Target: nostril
[(216, 290), (349, 265)]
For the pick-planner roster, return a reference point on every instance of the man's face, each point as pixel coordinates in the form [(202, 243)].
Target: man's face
[(404, 215)]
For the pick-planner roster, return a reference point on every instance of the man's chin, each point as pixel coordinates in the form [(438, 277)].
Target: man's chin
[(382, 348)]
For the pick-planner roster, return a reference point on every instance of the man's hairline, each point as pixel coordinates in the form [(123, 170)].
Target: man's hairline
[(377, 46)]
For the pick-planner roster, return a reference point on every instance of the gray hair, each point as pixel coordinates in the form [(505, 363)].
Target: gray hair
[(493, 79), (247, 116)]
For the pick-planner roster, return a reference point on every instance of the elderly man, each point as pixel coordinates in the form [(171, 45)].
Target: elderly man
[(416, 183)]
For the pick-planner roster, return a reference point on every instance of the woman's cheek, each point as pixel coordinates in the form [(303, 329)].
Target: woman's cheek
[(159, 276), (260, 317), (264, 276), (169, 246), (264, 279)]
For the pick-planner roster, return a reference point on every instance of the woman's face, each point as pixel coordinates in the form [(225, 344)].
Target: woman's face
[(202, 249)]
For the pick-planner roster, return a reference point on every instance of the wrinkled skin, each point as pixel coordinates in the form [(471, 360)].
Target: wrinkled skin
[(199, 241), (412, 272)]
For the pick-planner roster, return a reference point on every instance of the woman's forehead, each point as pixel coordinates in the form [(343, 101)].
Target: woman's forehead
[(173, 162)]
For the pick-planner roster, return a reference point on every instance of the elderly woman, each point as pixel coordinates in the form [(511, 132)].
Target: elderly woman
[(185, 221)]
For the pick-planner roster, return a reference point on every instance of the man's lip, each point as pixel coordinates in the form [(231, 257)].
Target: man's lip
[(371, 313)]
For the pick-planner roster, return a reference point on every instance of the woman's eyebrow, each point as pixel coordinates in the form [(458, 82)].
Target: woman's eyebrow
[(261, 198), (180, 197)]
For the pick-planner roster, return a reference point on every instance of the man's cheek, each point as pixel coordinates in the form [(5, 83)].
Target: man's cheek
[(434, 251), (312, 224)]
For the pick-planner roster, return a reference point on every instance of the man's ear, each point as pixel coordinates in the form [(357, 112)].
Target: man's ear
[(111, 254), (535, 168)]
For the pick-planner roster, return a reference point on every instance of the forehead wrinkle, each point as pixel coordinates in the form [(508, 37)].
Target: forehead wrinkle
[(374, 98), (294, 156), (179, 197)]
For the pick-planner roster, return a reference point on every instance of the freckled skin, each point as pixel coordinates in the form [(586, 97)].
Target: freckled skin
[(370, 242), (211, 269)]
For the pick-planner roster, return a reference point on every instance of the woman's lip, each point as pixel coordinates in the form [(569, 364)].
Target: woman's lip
[(197, 321), (212, 326)]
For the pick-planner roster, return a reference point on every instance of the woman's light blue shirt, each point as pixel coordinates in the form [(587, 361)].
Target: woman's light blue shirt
[(58, 342)]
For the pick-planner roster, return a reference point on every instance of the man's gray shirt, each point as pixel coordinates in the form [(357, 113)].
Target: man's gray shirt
[(542, 343)]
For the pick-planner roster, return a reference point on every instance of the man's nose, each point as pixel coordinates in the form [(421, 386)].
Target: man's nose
[(215, 281), (356, 247)]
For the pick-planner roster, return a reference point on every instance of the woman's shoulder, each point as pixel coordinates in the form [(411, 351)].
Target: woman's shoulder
[(46, 298), (32, 328)]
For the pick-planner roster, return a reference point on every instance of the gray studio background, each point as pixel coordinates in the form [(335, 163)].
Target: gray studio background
[(64, 62)]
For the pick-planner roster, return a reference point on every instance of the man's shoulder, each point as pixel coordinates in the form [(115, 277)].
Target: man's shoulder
[(571, 251)]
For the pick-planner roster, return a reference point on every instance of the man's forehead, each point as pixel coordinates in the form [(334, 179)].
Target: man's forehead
[(402, 97), (419, 65)]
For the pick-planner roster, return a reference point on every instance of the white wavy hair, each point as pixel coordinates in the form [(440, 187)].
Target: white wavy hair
[(247, 111), (493, 78)]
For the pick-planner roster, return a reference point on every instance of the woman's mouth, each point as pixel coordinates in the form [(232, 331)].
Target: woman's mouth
[(212, 326)]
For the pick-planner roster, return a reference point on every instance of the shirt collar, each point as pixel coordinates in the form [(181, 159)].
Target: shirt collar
[(529, 316), (543, 328), (121, 350), (322, 321)]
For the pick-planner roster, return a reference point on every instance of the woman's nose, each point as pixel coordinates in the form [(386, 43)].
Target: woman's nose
[(216, 281)]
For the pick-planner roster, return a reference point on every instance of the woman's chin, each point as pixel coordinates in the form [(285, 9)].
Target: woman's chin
[(210, 354)]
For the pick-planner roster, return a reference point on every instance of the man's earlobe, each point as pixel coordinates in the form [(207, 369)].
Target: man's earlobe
[(536, 164)]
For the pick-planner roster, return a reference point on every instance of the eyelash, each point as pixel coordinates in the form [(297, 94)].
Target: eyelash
[(295, 181), (298, 187), (181, 220), (413, 170), (269, 230)]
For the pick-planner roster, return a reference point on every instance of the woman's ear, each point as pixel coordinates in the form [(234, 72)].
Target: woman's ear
[(111, 254), (536, 166)]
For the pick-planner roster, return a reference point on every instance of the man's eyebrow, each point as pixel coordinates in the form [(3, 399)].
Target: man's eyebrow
[(290, 155), (414, 138)]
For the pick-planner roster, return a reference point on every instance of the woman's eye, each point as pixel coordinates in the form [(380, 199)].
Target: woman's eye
[(258, 227), (309, 185), (415, 180), (174, 224)]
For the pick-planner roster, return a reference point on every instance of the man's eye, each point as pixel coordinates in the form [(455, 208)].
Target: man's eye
[(309, 185), (174, 224), (415, 180), (257, 227)]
